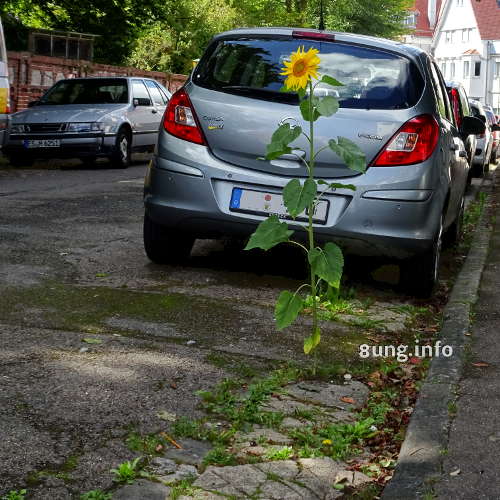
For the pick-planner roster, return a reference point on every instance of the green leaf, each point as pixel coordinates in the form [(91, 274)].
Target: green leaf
[(90, 340), (287, 309), (275, 150), (312, 341), (328, 106), (269, 233), (337, 185), (282, 137), (298, 197), (327, 263), (301, 93), (331, 81), (304, 109), (352, 155), (285, 134)]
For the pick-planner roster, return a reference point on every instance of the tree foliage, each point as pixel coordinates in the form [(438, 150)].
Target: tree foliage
[(168, 34)]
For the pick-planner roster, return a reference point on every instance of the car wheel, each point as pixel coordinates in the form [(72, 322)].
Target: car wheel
[(453, 233), (122, 151), (21, 161), (419, 275), (164, 246)]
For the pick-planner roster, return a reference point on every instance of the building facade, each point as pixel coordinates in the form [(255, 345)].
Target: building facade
[(465, 41)]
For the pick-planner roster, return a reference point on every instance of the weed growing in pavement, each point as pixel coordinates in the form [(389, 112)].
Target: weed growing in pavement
[(283, 453), (471, 218), (150, 444), (96, 495), (219, 456), (127, 472), (183, 487), (15, 495)]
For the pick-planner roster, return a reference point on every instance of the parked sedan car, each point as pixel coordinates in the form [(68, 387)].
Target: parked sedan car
[(89, 118), (481, 161), (206, 179), (461, 108)]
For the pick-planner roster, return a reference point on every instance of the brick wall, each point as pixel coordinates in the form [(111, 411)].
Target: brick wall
[(31, 75)]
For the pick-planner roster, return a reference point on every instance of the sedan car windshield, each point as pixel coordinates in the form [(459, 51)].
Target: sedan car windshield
[(87, 91)]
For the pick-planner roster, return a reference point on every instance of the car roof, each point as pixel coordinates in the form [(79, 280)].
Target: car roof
[(80, 78), (372, 41)]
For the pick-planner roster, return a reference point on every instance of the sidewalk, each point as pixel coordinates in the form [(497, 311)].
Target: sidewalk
[(471, 462)]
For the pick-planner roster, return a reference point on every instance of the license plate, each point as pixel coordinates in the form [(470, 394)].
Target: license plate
[(265, 203), (42, 143)]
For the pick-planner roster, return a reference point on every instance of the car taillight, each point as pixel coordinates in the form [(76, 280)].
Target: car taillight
[(180, 119), (413, 143)]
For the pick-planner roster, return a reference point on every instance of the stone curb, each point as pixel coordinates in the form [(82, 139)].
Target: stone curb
[(420, 458)]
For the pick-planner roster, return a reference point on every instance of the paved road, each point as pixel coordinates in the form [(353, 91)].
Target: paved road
[(72, 267)]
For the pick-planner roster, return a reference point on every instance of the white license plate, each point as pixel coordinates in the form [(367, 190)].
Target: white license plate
[(265, 203), (42, 143)]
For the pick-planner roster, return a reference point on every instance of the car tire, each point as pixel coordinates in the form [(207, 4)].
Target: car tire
[(419, 275), (21, 161), (122, 150), (453, 233), (164, 246)]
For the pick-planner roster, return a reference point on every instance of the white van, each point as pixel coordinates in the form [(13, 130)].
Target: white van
[(4, 87)]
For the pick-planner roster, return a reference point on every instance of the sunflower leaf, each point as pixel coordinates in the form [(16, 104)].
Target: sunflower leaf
[(282, 137), (287, 309), (350, 152), (337, 185), (297, 197), (329, 80), (328, 106), (312, 341), (327, 263), (269, 233), (304, 109)]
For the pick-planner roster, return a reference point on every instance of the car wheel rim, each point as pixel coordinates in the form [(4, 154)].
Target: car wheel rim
[(124, 148), (437, 251)]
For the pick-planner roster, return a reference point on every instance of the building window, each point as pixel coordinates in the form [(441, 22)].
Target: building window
[(452, 70), (460, 3), (497, 69), (466, 69), (443, 68), (411, 20), (448, 36), (477, 68)]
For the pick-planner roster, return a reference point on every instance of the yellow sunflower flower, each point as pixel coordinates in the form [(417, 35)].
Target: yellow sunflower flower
[(301, 67)]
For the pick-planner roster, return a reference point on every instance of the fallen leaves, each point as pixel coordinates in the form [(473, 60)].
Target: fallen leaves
[(481, 364), (350, 401)]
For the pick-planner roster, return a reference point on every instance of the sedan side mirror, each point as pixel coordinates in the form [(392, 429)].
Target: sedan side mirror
[(142, 101), (472, 126)]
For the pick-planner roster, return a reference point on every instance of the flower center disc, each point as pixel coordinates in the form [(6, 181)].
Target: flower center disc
[(299, 68)]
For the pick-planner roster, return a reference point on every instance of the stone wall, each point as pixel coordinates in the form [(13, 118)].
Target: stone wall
[(31, 75)]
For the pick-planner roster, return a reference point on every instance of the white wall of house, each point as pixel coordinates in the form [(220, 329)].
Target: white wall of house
[(458, 33)]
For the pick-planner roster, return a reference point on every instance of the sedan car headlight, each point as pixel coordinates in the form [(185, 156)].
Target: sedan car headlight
[(85, 127)]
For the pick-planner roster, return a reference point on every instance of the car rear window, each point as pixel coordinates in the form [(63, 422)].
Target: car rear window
[(371, 78), (91, 91)]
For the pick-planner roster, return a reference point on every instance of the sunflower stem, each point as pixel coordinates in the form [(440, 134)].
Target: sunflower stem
[(311, 207)]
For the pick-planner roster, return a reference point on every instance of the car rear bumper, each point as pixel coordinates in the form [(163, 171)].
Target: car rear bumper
[(78, 145), (375, 220)]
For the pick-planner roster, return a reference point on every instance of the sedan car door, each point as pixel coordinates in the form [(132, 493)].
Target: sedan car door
[(144, 116), (452, 147)]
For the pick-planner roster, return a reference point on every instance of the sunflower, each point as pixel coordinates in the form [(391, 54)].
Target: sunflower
[(301, 67)]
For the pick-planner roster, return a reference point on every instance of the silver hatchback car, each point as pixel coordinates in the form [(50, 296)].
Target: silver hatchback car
[(206, 179), (89, 118)]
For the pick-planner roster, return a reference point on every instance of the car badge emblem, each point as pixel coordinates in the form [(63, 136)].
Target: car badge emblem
[(214, 122), (370, 136)]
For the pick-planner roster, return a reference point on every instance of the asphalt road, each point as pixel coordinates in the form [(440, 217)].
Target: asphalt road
[(72, 268)]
